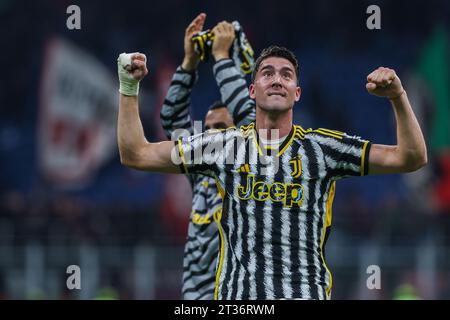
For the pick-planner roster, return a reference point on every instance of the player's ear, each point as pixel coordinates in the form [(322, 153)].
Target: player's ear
[(298, 93), (251, 90)]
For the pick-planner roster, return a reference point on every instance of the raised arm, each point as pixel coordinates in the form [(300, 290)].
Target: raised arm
[(232, 85), (175, 110), (135, 151), (410, 153)]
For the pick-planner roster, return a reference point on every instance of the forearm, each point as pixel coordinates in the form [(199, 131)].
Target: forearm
[(130, 133), (175, 110), (234, 92), (135, 151), (411, 146)]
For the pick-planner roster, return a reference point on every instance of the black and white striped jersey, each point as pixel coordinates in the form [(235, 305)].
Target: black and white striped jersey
[(234, 92), (277, 204), (202, 246)]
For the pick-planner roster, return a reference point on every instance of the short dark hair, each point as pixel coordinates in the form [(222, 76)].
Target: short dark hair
[(276, 51), (217, 105)]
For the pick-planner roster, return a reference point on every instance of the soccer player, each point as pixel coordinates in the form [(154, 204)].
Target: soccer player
[(277, 201), (202, 246)]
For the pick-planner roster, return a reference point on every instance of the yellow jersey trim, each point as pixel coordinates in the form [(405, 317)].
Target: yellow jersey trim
[(325, 133), (255, 139), (289, 142), (339, 133), (217, 218), (221, 190), (222, 251), (328, 216), (183, 160), (363, 158)]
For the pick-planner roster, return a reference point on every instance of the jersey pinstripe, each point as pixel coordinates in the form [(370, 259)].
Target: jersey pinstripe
[(276, 212), (234, 92), (202, 245)]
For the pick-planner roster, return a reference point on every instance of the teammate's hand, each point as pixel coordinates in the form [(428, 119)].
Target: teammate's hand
[(224, 35), (384, 82), (191, 58), (131, 68)]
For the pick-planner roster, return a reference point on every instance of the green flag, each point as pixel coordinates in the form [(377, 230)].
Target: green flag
[(434, 68)]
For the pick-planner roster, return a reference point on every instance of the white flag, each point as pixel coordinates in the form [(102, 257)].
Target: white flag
[(78, 115)]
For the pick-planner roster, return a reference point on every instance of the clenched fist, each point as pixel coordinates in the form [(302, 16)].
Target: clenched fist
[(384, 82), (131, 68)]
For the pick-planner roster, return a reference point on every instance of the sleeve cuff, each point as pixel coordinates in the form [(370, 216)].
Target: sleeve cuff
[(182, 165), (192, 72), (365, 159), (223, 59)]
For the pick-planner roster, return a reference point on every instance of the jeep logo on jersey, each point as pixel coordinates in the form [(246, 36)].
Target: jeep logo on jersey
[(289, 193)]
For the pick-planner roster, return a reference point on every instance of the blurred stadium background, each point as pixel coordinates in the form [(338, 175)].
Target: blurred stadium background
[(65, 198)]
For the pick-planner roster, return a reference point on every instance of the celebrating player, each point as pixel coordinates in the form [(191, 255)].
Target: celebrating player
[(276, 201)]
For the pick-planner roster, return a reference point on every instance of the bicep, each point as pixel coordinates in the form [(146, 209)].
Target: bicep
[(159, 157), (383, 159)]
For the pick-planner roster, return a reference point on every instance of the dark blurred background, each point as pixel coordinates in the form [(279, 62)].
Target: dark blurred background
[(65, 199)]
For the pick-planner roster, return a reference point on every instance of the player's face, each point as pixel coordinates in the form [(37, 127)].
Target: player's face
[(218, 119), (275, 87)]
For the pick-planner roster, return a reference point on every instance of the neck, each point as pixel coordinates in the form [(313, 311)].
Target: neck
[(281, 121)]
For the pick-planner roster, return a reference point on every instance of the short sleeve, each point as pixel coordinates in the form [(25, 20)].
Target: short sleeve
[(344, 155), (202, 153)]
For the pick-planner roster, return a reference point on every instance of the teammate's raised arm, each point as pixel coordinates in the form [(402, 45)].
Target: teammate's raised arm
[(410, 153), (175, 113), (135, 151), (232, 85)]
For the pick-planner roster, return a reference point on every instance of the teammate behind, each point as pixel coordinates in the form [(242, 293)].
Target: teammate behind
[(202, 246)]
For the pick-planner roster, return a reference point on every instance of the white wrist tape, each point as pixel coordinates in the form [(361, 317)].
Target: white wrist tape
[(129, 86)]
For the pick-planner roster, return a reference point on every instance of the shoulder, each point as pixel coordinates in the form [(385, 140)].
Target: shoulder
[(319, 136), (213, 135), (323, 133), (223, 134), (332, 138)]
